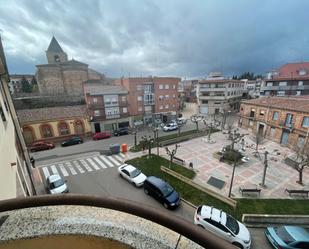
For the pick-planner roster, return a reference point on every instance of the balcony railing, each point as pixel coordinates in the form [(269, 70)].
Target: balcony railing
[(136, 224)]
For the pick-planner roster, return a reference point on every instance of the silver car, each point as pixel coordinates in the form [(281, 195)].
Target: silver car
[(56, 185)]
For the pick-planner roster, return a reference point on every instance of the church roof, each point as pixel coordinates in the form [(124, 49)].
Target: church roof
[(54, 46)]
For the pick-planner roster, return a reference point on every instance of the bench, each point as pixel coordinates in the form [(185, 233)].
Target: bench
[(297, 191), (250, 190), (179, 160)]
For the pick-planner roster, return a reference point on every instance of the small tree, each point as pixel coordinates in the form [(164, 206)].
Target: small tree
[(172, 153), (34, 85), (180, 124), (258, 138), (147, 142), (211, 124), (25, 86), (195, 119), (302, 160)]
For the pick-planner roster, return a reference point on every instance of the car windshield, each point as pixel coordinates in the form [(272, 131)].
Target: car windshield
[(135, 173), (232, 224), (284, 235), (56, 184), (167, 190)]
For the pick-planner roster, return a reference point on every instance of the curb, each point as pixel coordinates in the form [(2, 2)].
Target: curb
[(189, 203)]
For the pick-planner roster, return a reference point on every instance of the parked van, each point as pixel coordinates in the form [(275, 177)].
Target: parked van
[(162, 192)]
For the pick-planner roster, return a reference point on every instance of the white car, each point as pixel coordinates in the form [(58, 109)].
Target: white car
[(132, 174), (56, 185), (170, 127), (223, 225)]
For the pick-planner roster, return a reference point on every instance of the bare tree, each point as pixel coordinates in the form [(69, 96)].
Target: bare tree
[(147, 141), (180, 123), (302, 160), (210, 125), (172, 153), (195, 119), (258, 139)]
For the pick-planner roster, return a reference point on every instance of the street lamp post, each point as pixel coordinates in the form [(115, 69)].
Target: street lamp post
[(156, 138)]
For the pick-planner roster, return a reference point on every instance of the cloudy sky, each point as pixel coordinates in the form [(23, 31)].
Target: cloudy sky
[(187, 38)]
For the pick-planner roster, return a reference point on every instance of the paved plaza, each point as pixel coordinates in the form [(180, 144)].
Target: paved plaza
[(279, 175)]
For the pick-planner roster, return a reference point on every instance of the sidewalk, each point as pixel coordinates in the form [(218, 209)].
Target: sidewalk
[(279, 175)]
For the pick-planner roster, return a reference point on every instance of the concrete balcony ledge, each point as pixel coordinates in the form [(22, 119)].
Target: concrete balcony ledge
[(76, 215)]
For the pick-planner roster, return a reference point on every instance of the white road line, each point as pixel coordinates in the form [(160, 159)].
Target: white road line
[(63, 170), (121, 155), (96, 167), (88, 168), (71, 168), (54, 170), (119, 158), (99, 162), (45, 172), (106, 161), (114, 161), (80, 169)]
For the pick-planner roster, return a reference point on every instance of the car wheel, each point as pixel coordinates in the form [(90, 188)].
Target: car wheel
[(134, 184), (238, 245), (79, 142), (146, 191), (165, 205), (121, 175)]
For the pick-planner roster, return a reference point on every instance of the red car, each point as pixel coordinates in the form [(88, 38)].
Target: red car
[(101, 135), (37, 146)]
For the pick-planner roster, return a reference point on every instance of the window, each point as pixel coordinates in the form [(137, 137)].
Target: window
[(139, 98), (174, 86), (269, 84), (63, 129), (302, 72), (94, 100), (160, 86), (262, 112), (252, 113), (280, 93), (300, 141), (161, 107), (275, 116), (250, 123), (305, 122), (298, 93), (79, 127), (161, 97), (97, 113), (140, 108), (289, 120), (204, 101), (272, 131), (174, 96), (46, 131), (300, 83), (217, 103), (282, 83), (166, 106), (167, 96), (167, 86), (139, 87), (123, 98), (124, 110), (174, 106)]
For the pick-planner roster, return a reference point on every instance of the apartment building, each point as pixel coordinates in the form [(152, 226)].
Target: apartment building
[(15, 166), (15, 83), (291, 79), (107, 106), (281, 119), (218, 94), (151, 99)]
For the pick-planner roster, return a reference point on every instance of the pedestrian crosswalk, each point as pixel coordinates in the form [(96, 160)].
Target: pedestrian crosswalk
[(82, 165)]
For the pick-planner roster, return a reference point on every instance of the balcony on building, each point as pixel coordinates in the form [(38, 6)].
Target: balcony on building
[(86, 220)]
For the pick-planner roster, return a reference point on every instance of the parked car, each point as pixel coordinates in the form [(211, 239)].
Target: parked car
[(132, 174), (170, 127), (56, 185), (38, 146), (223, 225), (121, 131), (181, 120), (138, 122), (288, 237), (161, 191), (72, 141), (101, 135)]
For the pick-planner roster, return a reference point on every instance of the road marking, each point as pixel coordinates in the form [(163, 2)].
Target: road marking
[(63, 170), (119, 158), (99, 162), (46, 172), (88, 168), (54, 170), (71, 168), (96, 167), (114, 161), (121, 155), (80, 169), (104, 159)]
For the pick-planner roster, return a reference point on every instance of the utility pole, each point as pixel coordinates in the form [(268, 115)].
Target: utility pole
[(265, 168), (234, 166)]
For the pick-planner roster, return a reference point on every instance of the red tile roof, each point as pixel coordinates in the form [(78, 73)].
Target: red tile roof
[(299, 103), (291, 70)]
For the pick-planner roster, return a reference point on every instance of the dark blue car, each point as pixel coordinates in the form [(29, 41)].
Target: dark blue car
[(162, 191), (288, 237)]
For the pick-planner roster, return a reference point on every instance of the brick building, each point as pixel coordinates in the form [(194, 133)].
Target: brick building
[(107, 105), (290, 79), (151, 99), (281, 119)]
